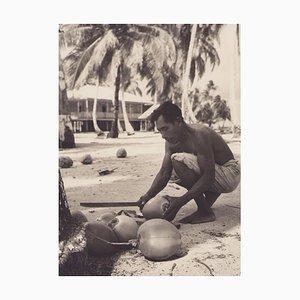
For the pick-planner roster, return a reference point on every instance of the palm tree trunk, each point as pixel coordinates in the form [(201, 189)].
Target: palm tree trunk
[(185, 101), (196, 78), (234, 93), (129, 129), (114, 132), (120, 128), (66, 135), (155, 98), (64, 210), (72, 238), (96, 127)]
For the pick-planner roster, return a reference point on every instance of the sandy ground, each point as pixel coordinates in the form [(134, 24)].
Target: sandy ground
[(209, 249)]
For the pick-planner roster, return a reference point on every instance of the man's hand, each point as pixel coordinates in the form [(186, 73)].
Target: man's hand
[(143, 200), (175, 205)]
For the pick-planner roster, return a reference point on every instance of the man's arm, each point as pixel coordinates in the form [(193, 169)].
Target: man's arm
[(161, 179)]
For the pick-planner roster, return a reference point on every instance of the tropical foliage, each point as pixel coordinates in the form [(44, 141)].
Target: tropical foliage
[(209, 108), (66, 136), (119, 54), (203, 51), (124, 55)]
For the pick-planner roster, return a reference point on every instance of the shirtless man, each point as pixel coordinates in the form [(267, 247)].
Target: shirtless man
[(201, 159)]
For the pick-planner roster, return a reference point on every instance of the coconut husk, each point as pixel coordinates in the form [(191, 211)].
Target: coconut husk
[(65, 162), (87, 159), (121, 153)]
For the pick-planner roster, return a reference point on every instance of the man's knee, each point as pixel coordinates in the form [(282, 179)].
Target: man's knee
[(186, 175), (185, 161), (178, 166)]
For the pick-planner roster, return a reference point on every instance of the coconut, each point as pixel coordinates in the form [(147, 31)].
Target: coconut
[(124, 227), (159, 240), (106, 217), (79, 217), (121, 153), (98, 235), (65, 162), (155, 207), (86, 159)]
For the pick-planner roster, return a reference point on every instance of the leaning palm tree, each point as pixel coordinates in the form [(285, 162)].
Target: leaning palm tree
[(124, 51), (186, 76), (195, 45)]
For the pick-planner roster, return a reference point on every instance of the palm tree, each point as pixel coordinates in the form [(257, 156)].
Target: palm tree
[(124, 51), (206, 114), (72, 238), (195, 46), (66, 136), (76, 39), (221, 109), (186, 76)]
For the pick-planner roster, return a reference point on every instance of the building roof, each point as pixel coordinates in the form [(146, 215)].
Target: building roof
[(105, 93), (148, 112)]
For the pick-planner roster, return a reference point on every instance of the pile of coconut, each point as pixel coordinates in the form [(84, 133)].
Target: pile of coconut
[(156, 238)]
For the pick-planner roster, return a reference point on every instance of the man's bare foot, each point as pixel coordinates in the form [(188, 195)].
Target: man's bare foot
[(199, 217)]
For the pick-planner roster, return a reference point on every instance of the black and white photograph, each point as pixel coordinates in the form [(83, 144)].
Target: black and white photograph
[(149, 149)]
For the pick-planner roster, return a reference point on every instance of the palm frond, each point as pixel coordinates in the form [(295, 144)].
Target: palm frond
[(135, 59), (105, 65), (158, 55), (211, 53), (115, 62), (133, 88), (149, 35), (200, 65), (169, 46), (148, 50), (151, 87), (83, 61), (126, 76), (92, 57)]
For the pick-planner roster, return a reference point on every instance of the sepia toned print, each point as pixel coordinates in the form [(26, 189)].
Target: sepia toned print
[(149, 150)]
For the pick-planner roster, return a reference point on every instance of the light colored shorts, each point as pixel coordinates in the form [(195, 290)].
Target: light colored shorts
[(227, 176)]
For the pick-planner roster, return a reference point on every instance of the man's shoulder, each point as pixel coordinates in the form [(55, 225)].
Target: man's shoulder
[(202, 131)]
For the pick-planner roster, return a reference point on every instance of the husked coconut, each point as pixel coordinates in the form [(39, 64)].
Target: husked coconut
[(124, 227), (155, 207), (106, 217), (159, 240)]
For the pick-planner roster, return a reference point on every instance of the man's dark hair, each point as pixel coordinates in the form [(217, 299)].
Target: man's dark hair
[(170, 112)]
